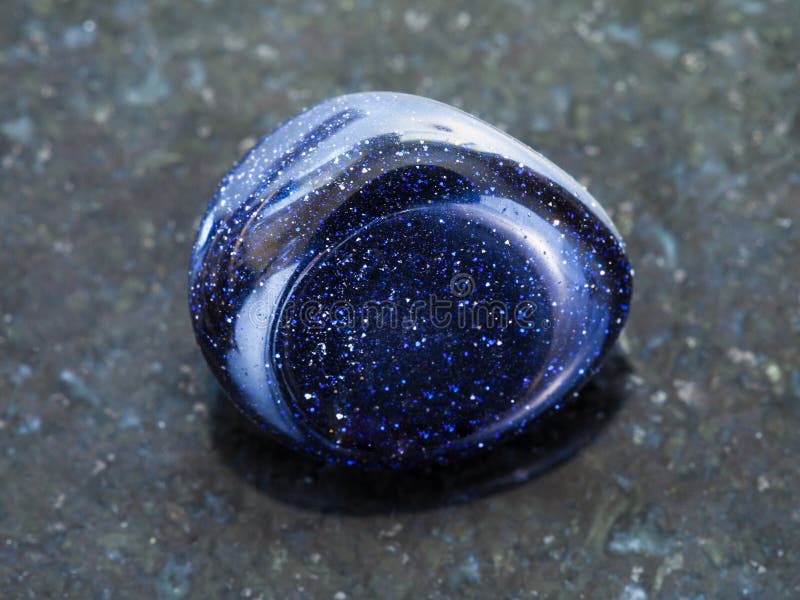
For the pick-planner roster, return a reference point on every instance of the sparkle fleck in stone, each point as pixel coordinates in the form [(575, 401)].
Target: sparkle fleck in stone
[(386, 280)]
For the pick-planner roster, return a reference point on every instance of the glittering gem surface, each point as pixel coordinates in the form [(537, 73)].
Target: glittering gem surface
[(386, 280)]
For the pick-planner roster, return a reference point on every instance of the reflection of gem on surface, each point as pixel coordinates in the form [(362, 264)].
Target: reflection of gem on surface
[(386, 280)]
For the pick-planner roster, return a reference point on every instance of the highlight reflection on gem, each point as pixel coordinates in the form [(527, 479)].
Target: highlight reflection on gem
[(386, 280)]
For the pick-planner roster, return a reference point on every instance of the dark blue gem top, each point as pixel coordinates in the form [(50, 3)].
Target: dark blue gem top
[(386, 280)]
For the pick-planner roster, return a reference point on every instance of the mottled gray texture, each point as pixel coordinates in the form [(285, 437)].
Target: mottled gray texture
[(123, 475)]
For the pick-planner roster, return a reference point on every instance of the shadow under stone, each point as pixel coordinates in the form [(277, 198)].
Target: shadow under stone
[(307, 483)]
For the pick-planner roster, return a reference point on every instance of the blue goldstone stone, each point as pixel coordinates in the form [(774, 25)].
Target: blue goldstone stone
[(386, 280)]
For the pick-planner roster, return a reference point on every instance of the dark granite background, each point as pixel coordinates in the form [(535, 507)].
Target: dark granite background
[(125, 476)]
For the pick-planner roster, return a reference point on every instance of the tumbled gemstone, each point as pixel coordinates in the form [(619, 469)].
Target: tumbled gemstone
[(386, 280)]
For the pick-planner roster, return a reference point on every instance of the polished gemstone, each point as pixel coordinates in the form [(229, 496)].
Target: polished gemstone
[(386, 280)]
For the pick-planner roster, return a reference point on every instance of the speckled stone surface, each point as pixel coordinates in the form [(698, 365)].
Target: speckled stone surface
[(675, 475)]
